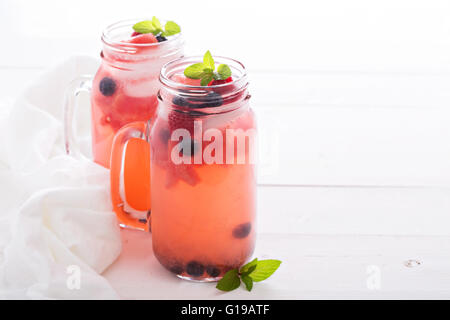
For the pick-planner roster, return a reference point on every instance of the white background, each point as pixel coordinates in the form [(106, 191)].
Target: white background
[(353, 102), (350, 92), (382, 35)]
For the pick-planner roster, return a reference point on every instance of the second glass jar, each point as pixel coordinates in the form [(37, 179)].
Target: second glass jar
[(203, 182)]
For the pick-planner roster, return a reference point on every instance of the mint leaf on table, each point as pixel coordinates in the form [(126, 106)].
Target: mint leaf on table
[(264, 269), (230, 281), (248, 266), (206, 70), (254, 271), (248, 282)]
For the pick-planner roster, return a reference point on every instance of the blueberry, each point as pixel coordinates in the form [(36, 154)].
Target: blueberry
[(213, 271), (161, 38), (242, 230), (211, 100), (164, 135), (195, 268), (196, 113), (107, 86), (180, 101), (176, 268)]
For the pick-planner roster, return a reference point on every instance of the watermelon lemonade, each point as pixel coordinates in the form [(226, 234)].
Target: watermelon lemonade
[(125, 86), (202, 169), (201, 162)]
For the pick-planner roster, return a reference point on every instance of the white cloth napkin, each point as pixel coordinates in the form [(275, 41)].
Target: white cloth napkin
[(57, 229)]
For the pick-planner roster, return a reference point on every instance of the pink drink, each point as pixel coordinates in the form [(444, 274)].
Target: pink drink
[(125, 86), (203, 214), (202, 182)]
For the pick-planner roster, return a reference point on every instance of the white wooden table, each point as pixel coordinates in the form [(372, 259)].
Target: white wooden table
[(354, 179), (348, 194)]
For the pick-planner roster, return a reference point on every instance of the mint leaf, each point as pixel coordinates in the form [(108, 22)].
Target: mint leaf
[(206, 79), (156, 23), (264, 269), (224, 71), (171, 28), (205, 71), (154, 26), (254, 271), (144, 27), (250, 270), (248, 282), (208, 61), (194, 71), (245, 268), (230, 281)]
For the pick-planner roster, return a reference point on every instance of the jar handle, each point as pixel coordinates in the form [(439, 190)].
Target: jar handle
[(77, 86), (130, 175)]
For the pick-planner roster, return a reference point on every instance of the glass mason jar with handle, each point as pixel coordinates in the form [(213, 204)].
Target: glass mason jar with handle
[(203, 183), (124, 88)]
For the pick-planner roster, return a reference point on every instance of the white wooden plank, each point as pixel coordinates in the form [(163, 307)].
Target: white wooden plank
[(346, 88), (339, 145), (333, 267), (357, 211)]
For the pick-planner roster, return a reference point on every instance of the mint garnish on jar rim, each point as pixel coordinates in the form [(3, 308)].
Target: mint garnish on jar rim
[(254, 271), (154, 26), (206, 70)]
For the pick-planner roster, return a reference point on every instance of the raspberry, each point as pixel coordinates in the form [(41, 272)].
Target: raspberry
[(178, 119), (219, 82)]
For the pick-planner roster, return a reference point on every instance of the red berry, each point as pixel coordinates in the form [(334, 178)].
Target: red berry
[(143, 38), (135, 33), (219, 82), (179, 120), (181, 172)]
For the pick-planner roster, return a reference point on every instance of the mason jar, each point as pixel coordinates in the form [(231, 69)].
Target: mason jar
[(202, 165)]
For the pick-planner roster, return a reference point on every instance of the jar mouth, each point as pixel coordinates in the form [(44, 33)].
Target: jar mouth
[(116, 34), (238, 73), (203, 100)]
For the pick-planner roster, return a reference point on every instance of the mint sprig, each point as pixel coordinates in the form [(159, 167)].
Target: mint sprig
[(254, 271), (206, 70), (154, 26)]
